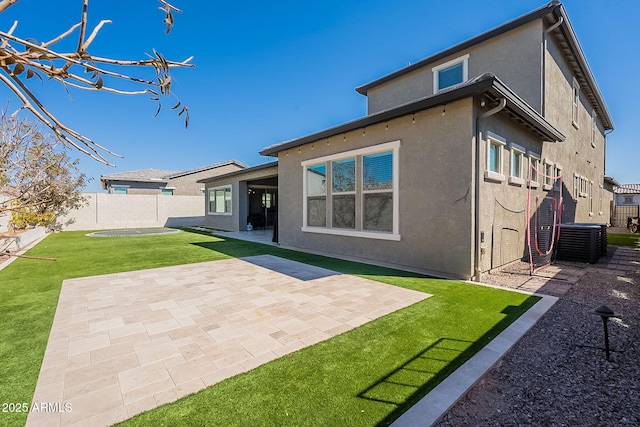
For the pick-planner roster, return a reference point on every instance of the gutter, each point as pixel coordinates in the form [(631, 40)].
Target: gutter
[(478, 240)]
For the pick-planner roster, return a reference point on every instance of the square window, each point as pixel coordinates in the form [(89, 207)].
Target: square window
[(450, 73), (343, 175), (220, 200)]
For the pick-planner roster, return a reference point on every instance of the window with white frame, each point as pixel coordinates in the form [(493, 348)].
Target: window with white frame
[(495, 148), (557, 173), (534, 165), (316, 195), (575, 102), (600, 197), (353, 193), (576, 186), (450, 73), (377, 191), (548, 175), (590, 198), (220, 201), (120, 189), (516, 164), (343, 193)]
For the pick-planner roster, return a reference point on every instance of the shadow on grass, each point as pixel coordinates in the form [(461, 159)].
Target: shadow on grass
[(241, 249), (405, 386)]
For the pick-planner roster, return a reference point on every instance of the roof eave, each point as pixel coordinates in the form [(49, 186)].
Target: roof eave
[(487, 83)]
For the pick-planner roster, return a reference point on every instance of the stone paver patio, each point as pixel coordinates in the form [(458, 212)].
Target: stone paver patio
[(125, 343)]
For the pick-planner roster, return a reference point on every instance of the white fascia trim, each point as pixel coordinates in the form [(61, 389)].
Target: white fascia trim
[(518, 148), (353, 233), (352, 153)]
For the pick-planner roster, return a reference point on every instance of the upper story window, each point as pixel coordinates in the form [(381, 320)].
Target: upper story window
[(495, 147), (450, 73), (120, 189), (220, 200), (575, 102)]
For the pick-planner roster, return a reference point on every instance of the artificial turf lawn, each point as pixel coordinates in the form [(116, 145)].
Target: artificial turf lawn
[(623, 239), (367, 376)]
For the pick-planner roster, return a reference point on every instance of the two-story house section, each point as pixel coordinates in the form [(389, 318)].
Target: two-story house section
[(436, 177)]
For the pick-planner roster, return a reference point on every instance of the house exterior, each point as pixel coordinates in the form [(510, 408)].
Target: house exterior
[(627, 195), (235, 199), (627, 204), (435, 177), (166, 182)]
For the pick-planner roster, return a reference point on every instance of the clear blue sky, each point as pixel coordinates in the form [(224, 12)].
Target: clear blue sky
[(267, 72)]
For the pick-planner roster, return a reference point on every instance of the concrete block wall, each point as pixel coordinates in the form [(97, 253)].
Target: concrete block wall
[(110, 211)]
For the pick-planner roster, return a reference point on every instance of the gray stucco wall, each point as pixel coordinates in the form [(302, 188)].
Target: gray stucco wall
[(434, 192), (579, 153), (514, 57), (239, 209)]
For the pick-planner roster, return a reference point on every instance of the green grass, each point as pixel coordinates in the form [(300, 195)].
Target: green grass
[(367, 376), (623, 239)]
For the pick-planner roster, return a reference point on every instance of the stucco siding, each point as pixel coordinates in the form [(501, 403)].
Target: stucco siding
[(582, 154), (514, 57), (434, 201)]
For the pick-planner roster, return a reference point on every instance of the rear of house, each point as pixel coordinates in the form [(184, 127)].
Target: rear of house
[(436, 177)]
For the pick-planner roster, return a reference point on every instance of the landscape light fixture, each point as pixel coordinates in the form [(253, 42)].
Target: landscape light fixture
[(605, 313)]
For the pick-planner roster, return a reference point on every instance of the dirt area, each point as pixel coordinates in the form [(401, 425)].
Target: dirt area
[(557, 374)]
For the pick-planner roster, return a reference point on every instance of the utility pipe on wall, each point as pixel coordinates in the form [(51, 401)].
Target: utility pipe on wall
[(491, 112)]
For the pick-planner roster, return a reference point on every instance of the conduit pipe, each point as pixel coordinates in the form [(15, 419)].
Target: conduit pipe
[(477, 249)]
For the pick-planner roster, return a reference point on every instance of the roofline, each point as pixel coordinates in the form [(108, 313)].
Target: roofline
[(239, 172), (536, 14), (611, 181), (555, 8), (204, 168), (486, 83)]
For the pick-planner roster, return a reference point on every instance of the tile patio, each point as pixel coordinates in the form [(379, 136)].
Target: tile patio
[(125, 343)]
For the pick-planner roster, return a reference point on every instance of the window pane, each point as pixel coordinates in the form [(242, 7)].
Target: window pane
[(220, 201), (344, 211), (343, 175), (450, 76), (317, 211), (515, 164), (317, 180), (378, 212), (378, 171), (227, 200), (167, 191), (494, 157), (120, 190)]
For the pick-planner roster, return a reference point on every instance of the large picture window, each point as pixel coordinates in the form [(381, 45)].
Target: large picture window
[(220, 200), (353, 193)]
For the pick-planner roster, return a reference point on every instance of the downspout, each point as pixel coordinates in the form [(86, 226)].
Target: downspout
[(495, 110)]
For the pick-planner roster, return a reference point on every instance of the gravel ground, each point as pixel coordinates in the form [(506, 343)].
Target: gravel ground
[(557, 374)]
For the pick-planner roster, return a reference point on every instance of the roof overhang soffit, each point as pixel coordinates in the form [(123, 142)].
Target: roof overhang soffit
[(568, 43)]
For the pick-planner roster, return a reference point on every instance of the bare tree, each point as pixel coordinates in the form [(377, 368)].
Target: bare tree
[(38, 180), (24, 58)]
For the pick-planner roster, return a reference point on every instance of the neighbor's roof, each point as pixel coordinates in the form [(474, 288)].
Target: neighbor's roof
[(627, 189), (565, 35), (240, 172), (487, 83), (163, 175)]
